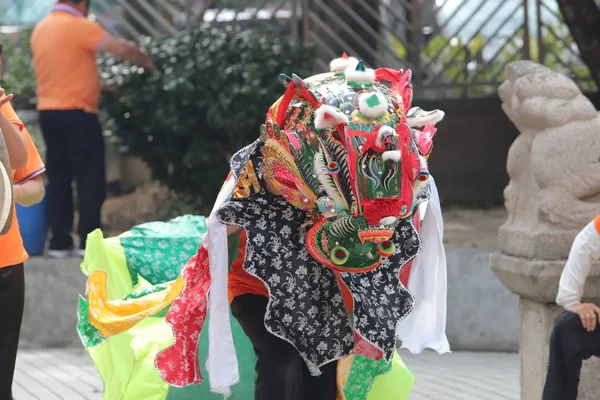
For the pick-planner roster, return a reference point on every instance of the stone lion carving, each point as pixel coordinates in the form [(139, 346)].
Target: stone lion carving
[(554, 164)]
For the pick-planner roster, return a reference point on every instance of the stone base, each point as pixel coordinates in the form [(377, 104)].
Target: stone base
[(52, 288), (536, 323), (474, 293), (537, 280)]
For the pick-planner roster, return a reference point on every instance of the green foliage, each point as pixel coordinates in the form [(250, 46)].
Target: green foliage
[(205, 100), (19, 76), (561, 54), (459, 64)]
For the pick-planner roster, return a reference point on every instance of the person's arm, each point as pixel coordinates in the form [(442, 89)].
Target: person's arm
[(585, 250), (15, 144), (29, 192), (28, 186), (124, 50), (93, 37)]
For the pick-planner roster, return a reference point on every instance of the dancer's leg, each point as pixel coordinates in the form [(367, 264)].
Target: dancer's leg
[(322, 387), (279, 366), (12, 297), (58, 128), (569, 346), (91, 177)]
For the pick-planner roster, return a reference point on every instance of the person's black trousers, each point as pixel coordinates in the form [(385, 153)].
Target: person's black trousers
[(12, 298), (281, 372), (74, 150), (569, 346)]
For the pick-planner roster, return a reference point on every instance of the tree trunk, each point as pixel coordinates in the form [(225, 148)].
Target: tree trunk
[(583, 19)]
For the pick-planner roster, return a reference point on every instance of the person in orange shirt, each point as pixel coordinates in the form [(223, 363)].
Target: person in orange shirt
[(64, 47), (28, 189)]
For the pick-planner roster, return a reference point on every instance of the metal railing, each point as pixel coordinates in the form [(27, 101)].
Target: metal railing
[(456, 48), (133, 18)]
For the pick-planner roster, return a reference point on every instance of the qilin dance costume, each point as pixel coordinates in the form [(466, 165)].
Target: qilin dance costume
[(321, 217)]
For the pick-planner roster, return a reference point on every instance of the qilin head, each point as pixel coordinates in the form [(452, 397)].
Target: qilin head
[(348, 148)]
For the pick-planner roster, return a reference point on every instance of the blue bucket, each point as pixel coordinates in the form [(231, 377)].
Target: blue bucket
[(34, 227)]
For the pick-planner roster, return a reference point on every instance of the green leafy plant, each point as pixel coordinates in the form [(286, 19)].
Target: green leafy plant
[(19, 76), (205, 100)]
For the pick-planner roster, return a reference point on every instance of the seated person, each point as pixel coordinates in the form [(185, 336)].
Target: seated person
[(576, 334)]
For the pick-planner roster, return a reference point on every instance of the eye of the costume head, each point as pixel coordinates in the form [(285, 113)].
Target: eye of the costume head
[(339, 255), (386, 139), (386, 249), (333, 168)]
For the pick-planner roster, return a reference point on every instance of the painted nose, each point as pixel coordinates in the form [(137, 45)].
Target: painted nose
[(388, 220)]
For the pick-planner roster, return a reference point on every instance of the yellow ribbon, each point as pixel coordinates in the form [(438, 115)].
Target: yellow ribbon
[(117, 316)]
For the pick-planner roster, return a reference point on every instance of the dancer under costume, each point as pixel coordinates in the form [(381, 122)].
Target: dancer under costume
[(576, 333), (310, 245)]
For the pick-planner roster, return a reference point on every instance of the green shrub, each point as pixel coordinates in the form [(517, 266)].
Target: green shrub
[(19, 76), (205, 100)]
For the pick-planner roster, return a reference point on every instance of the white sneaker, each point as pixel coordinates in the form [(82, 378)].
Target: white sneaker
[(60, 254)]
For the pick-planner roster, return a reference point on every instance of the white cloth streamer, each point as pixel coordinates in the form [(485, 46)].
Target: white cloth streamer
[(222, 364), (425, 327)]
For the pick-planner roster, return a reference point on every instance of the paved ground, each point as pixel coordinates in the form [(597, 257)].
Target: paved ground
[(70, 375), (56, 375), (464, 376)]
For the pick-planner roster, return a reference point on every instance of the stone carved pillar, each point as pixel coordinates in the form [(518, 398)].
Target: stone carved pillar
[(554, 191)]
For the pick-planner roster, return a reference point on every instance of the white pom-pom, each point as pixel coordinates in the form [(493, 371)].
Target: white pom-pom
[(343, 63), (372, 105), (328, 117), (358, 76), (417, 118), (391, 155)]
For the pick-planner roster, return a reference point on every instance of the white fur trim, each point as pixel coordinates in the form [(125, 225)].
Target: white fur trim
[(323, 123), (423, 162), (372, 112), (391, 155), (382, 132), (341, 64), (387, 220), (417, 118), (366, 76)]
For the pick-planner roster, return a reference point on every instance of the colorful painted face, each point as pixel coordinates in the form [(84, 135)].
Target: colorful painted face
[(339, 146)]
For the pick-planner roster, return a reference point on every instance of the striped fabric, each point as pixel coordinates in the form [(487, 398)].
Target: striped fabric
[(31, 176)]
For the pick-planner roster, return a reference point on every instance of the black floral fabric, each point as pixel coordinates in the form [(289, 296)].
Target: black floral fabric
[(306, 306)]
